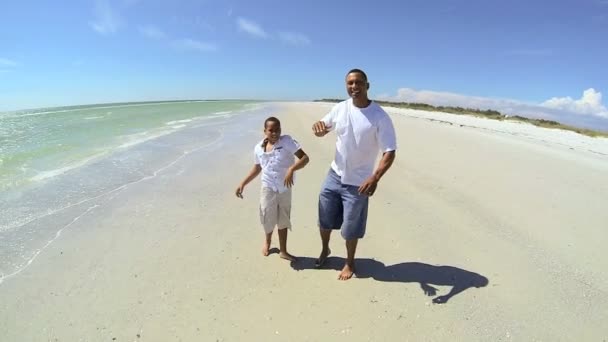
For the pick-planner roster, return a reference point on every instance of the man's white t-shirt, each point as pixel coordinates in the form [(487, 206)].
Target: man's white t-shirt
[(362, 133), (276, 162)]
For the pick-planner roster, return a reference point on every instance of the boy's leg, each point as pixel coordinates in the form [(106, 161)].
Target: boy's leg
[(284, 223), (268, 216), (283, 245), (266, 246)]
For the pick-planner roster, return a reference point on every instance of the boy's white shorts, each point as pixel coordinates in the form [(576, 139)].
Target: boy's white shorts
[(275, 209)]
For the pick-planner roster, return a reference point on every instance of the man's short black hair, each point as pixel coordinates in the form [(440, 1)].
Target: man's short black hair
[(358, 71), (272, 119)]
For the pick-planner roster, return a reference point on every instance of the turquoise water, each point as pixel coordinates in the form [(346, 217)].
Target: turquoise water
[(37, 145), (63, 165)]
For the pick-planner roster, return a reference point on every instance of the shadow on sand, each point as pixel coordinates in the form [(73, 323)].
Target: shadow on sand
[(406, 272)]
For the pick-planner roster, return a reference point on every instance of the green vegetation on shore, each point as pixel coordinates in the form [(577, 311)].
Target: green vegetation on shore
[(490, 114)]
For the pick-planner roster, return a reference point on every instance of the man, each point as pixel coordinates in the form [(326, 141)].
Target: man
[(363, 129)]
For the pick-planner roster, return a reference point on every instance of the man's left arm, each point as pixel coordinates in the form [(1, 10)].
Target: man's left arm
[(369, 186), (388, 144)]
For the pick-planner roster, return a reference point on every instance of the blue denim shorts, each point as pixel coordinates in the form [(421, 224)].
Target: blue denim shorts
[(342, 207)]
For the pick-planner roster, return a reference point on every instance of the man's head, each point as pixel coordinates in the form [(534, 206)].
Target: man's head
[(272, 129), (357, 84)]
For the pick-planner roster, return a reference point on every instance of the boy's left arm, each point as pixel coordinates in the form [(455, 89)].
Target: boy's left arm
[(300, 163)]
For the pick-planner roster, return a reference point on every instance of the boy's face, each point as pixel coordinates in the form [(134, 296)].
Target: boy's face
[(272, 131)]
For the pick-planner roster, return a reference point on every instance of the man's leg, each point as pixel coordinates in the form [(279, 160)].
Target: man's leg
[(283, 245), (349, 266), (325, 251), (330, 213), (353, 229)]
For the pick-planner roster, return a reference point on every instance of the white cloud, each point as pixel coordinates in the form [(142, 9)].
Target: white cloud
[(565, 110), (589, 104), (4, 62), (294, 38), (152, 32), (438, 98), (107, 20), (188, 44), (251, 28)]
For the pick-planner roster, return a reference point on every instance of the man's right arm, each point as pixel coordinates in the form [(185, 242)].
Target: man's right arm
[(325, 125), (319, 128)]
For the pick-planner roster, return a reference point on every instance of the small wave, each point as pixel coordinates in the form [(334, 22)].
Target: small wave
[(23, 114), (177, 121), (93, 117), (138, 138), (222, 113), (56, 172)]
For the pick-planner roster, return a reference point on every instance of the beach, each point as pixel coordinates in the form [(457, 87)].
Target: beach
[(512, 215)]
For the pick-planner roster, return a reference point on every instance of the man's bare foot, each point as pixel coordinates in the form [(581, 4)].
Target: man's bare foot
[(322, 258), (347, 272), (287, 256), (266, 249)]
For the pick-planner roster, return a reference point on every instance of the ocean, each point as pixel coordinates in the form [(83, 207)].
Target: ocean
[(56, 164), (36, 145)]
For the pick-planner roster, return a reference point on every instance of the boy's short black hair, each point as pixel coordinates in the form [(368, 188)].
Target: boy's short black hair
[(272, 119), (357, 71)]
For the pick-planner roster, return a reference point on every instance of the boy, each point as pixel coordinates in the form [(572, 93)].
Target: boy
[(274, 159)]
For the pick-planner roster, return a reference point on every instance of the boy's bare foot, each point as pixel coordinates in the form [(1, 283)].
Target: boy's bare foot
[(322, 258), (347, 272), (266, 249), (287, 256)]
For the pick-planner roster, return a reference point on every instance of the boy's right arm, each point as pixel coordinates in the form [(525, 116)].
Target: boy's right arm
[(255, 171)]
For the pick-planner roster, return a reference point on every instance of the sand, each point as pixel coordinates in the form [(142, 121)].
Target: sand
[(518, 212)]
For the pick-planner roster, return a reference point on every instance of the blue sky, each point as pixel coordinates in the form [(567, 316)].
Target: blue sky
[(537, 58)]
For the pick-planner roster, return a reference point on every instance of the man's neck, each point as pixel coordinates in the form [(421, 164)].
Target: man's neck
[(362, 103)]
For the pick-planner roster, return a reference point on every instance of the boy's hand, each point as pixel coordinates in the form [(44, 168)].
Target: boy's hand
[(239, 191), (320, 129), (289, 178)]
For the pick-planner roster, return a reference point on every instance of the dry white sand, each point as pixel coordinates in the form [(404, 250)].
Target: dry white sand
[(177, 257)]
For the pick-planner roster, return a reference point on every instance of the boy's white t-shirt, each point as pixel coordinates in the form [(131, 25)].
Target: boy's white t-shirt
[(276, 162), (362, 133)]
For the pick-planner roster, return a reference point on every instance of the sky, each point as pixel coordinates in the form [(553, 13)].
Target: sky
[(536, 58)]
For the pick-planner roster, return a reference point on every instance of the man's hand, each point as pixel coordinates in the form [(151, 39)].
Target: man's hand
[(289, 178), (441, 299), (369, 186), (428, 289), (239, 191), (320, 129)]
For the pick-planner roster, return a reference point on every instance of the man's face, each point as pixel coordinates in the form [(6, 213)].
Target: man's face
[(272, 131), (356, 85)]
